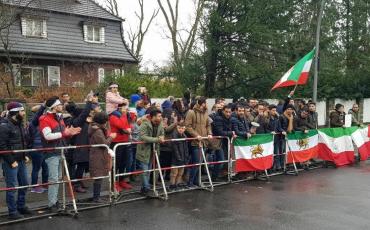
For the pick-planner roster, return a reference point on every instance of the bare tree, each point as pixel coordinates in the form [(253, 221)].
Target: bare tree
[(9, 16), (112, 6), (135, 36), (182, 47)]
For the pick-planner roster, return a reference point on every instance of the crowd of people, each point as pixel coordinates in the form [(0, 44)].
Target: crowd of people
[(60, 122)]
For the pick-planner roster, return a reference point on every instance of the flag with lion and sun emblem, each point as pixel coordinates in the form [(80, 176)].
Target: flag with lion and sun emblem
[(302, 146), (255, 153)]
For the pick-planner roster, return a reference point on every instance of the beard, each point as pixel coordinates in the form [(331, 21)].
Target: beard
[(19, 118)]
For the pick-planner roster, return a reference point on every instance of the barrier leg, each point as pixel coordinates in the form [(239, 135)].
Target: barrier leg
[(207, 170), (160, 175), (294, 164), (69, 185), (115, 193), (229, 162)]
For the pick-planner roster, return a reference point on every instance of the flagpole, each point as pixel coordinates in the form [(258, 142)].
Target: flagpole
[(316, 69)]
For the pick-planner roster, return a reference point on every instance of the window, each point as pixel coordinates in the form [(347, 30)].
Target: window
[(101, 75), (53, 76), (29, 76), (94, 34), (34, 27)]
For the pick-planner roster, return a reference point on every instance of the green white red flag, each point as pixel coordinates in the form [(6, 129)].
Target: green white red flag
[(298, 74), (302, 147), (335, 144), (255, 153), (361, 139)]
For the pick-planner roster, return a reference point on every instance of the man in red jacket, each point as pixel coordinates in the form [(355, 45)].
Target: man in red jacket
[(119, 123), (54, 132)]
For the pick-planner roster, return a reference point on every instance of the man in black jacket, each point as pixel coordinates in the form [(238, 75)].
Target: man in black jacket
[(240, 123), (13, 137), (222, 126), (301, 122)]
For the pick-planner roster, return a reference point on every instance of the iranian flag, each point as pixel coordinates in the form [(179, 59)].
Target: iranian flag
[(302, 147), (298, 74), (361, 139), (335, 144), (255, 153)]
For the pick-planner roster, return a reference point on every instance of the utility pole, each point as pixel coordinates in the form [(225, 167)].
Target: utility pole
[(317, 47)]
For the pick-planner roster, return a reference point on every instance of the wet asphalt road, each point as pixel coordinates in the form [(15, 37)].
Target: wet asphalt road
[(318, 199)]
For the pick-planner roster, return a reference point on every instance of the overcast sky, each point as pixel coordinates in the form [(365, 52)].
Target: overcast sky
[(156, 47)]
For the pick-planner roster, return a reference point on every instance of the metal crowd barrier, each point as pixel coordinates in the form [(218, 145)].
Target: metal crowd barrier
[(66, 180), (160, 192)]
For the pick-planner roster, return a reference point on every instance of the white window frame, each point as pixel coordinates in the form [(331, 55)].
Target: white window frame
[(56, 69), (18, 74), (26, 20), (95, 29), (101, 75)]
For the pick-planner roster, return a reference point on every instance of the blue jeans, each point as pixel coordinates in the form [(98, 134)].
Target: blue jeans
[(144, 176), (193, 171), (279, 149), (218, 156), (123, 159), (12, 177), (133, 164), (53, 163), (38, 161)]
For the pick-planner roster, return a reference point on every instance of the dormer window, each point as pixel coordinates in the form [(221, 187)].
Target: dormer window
[(94, 33), (34, 27)]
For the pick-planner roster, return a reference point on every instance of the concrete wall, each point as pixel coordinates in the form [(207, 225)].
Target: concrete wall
[(366, 110), (321, 107)]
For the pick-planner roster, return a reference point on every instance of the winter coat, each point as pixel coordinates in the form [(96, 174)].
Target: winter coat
[(355, 117), (301, 124), (274, 125), (263, 122), (180, 151), (313, 119), (241, 126), (13, 136), (33, 129), (119, 124), (197, 124), (100, 162), (52, 132), (149, 135), (336, 119), (222, 126), (80, 155), (112, 100), (166, 147)]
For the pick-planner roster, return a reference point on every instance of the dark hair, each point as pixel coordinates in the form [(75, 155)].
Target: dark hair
[(219, 99), (228, 106), (154, 112), (71, 107), (338, 106), (239, 106), (100, 118), (304, 109), (272, 106), (51, 101), (312, 103), (177, 105), (181, 124), (201, 100)]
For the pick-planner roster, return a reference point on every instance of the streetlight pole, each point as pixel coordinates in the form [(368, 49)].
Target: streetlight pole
[(316, 70)]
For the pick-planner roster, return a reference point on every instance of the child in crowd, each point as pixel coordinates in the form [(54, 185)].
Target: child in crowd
[(100, 158), (180, 156)]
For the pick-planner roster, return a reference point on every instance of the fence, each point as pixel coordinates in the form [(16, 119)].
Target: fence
[(74, 205)]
